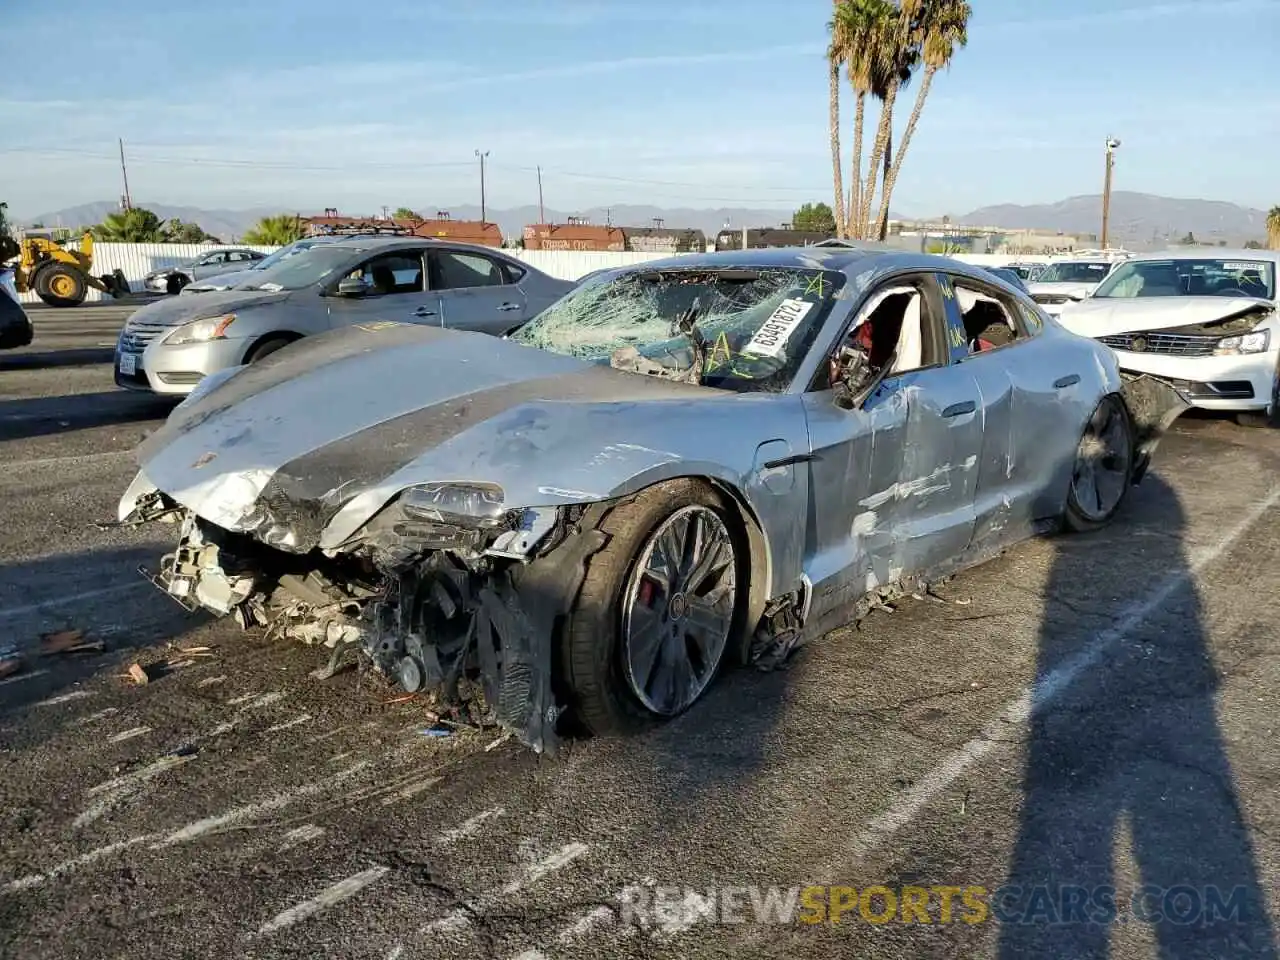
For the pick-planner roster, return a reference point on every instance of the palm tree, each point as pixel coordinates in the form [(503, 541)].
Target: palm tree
[(858, 30), (895, 55), (835, 61), (1273, 228), (135, 225), (276, 231), (940, 27)]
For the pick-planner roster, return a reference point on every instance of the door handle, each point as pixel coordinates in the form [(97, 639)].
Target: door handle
[(509, 306), (960, 409), (1068, 381)]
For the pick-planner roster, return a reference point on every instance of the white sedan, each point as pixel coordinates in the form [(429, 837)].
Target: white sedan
[(1205, 322)]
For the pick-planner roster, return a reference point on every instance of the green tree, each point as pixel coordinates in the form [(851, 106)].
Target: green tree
[(404, 213), (1273, 228), (814, 216), (276, 231), (938, 28), (178, 232), (137, 225), (8, 246)]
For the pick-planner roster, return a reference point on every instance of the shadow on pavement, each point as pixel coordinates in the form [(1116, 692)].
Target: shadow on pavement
[(39, 359), (43, 416), (1129, 754), (125, 620)]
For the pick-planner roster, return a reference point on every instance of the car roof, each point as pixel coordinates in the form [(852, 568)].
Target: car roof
[(374, 243), (844, 259), (1211, 253)]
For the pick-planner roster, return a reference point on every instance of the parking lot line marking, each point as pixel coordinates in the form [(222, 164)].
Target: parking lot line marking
[(23, 676), (469, 826), (71, 598), (71, 458), (254, 810), (32, 879), (411, 790), (303, 834), (129, 734), (65, 698), (907, 805), (331, 895), (296, 721), (144, 773)]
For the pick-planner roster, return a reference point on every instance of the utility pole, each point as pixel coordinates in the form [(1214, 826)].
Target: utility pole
[(482, 207), (542, 217), (1112, 143), (128, 200)]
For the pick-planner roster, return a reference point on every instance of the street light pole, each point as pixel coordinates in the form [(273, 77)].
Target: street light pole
[(1112, 143), (482, 208)]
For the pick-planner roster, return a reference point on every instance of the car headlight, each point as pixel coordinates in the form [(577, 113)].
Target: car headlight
[(1256, 342), (462, 504), (201, 331)]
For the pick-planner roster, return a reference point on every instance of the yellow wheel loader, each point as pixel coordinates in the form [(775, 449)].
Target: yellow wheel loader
[(59, 276)]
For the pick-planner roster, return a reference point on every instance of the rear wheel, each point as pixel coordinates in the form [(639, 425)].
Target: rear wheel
[(658, 609), (176, 282), (1102, 474), (61, 285)]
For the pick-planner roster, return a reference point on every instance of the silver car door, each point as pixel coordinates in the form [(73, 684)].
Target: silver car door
[(209, 265), (1030, 432), (866, 529), (397, 291), (475, 292)]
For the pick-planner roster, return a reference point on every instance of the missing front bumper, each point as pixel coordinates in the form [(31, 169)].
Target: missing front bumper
[(1154, 404)]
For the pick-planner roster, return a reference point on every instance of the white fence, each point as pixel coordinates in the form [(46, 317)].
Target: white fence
[(136, 260)]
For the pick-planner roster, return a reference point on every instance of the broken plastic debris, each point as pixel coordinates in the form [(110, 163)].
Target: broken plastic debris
[(138, 675), (436, 731), (9, 666)]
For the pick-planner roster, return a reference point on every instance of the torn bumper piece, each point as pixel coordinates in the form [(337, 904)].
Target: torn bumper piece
[(474, 630), (1154, 404)]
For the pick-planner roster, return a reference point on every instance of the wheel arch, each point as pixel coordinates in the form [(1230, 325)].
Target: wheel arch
[(289, 336)]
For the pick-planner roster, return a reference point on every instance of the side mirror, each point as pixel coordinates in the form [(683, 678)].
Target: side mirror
[(353, 287)]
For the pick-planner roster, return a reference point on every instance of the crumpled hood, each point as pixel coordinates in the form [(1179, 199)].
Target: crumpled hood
[(223, 281), (302, 433), (178, 310), (1110, 315)]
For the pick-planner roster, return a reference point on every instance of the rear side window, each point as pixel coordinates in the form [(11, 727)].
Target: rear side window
[(458, 271), (514, 273)]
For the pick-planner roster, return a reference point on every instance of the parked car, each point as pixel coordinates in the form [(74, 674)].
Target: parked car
[(1027, 269), (15, 326), (1009, 276), (1067, 281), (228, 281), (1205, 321), (677, 465), (173, 278), (170, 345)]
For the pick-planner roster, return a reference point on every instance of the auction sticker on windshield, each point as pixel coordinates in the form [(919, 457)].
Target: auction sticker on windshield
[(774, 332), (1233, 265)]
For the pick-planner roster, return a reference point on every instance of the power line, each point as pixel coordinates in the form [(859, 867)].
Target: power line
[(775, 193)]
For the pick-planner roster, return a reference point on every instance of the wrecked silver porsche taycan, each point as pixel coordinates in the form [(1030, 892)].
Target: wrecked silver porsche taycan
[(692, 462)]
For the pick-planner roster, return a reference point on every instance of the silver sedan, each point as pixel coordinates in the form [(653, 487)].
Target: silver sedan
[(170, 346), (697, 461)]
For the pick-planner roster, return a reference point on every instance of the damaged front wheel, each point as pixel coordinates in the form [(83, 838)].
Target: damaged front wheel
[(659, 607)]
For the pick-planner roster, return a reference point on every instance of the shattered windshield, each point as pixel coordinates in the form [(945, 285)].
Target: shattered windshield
[(285, 253), (302, 270), (1073, 272), (1210, 277), (749, 327)]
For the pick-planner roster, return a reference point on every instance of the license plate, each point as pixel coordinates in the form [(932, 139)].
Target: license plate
[(128, 364)]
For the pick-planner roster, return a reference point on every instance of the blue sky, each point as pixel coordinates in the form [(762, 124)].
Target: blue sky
[(700, 103)]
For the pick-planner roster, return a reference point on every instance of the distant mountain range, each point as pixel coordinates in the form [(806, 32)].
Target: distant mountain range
[(1138, 220)]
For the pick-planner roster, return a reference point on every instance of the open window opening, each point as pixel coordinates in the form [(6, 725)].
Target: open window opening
[(890, 336), (987, 321)]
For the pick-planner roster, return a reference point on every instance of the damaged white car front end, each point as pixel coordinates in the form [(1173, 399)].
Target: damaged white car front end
[(1218, 353)]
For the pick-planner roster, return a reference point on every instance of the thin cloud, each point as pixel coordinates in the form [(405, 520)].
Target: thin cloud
[(1140, 14)]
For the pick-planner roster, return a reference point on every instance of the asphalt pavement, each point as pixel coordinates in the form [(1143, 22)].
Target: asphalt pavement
[(1085, 714)]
